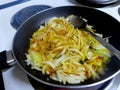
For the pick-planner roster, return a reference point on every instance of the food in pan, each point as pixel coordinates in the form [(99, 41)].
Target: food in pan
[(65, 53)]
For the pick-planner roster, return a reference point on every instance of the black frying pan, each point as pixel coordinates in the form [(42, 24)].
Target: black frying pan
[(102, 22)]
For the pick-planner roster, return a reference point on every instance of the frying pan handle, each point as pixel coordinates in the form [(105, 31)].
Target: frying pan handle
[(3, 60), (1, 81), (3, 65)]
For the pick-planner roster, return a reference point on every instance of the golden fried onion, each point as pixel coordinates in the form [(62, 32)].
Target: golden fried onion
[(66, 54)]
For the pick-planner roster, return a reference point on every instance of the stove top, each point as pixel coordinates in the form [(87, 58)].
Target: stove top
[(14, 78)]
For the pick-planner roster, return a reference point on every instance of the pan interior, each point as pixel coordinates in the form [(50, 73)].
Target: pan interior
[(102, 22)]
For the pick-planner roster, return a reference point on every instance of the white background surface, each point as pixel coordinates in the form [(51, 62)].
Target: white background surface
[(15, 78)]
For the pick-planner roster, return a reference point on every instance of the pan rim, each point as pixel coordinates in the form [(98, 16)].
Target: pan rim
[(52, 84)]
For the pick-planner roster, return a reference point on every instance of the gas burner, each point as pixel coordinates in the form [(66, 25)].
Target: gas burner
[(97, 3), (39, 86), (25, 13)]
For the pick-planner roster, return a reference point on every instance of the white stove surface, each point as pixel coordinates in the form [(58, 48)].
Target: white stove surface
[(15, 78)]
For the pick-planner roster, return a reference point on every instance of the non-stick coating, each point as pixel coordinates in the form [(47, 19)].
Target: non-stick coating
[(102, 22)]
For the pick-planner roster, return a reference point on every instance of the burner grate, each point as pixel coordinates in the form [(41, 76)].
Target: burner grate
[(25, 13), (97, 4)]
